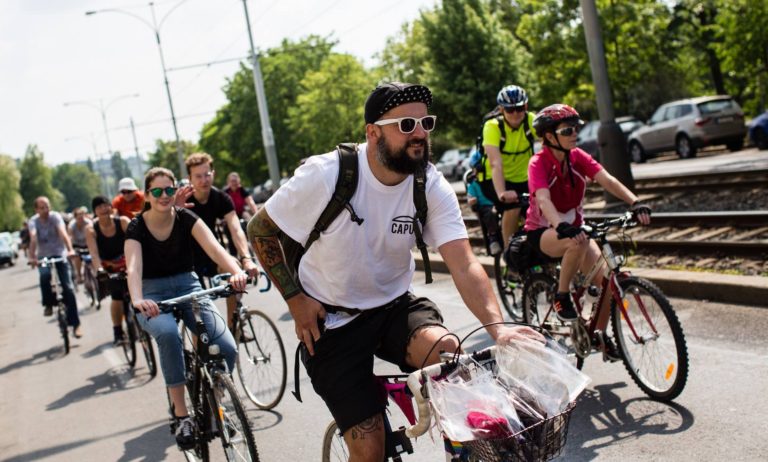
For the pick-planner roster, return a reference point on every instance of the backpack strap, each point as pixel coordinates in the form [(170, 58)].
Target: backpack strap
[(526, 132), (346, 184), (420, 219)]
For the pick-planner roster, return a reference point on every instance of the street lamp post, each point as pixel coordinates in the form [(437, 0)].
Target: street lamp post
[(261, 100), (156, 30), (102, 108)]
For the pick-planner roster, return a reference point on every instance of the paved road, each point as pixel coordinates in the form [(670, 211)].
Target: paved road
[(88, 407)]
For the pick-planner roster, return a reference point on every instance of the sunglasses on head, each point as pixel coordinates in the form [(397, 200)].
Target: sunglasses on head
[(157, 192), (408, 124), (513, 109), (568, 131)]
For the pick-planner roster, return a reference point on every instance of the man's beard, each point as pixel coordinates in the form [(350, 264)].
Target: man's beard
[(398, 160)]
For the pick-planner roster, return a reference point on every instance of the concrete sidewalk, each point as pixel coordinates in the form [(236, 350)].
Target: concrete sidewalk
[(724, 288)]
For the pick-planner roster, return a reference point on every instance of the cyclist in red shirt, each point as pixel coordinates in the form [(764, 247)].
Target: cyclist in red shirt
[(130, 201), (557, 180), (245, 207)]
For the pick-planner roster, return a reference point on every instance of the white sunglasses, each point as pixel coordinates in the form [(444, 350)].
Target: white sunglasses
[(408, 124)]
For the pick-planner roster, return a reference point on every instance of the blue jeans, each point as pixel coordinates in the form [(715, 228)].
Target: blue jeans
[(67, 290), (165, 332)]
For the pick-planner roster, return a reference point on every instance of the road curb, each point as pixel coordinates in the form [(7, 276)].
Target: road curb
[(715, 287)]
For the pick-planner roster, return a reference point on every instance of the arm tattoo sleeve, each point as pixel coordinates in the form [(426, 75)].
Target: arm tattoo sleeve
[(262, 232)]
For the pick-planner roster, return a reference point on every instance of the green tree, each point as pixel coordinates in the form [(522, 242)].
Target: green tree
[(233, 136), (165, 155), (36, 181), (78, 184), (742, 27), (11, 210), (471, 57), (329, 109)]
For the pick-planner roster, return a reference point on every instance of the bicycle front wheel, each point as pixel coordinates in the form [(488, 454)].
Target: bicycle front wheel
[(129, 338), (149, 351), (261, 364), (62, 320), (538, 296), (651, 339), (509, 287), (233, 426), (334, 447)]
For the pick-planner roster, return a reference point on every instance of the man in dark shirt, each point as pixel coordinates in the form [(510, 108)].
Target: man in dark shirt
[(211, 204)]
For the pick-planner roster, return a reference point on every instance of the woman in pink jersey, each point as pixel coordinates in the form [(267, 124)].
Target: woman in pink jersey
[(557, 180)]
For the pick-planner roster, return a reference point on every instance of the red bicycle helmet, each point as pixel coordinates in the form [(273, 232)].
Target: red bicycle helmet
[(551, 116)]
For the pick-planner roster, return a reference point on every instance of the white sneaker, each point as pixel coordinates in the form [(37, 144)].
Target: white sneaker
[(495, 248)]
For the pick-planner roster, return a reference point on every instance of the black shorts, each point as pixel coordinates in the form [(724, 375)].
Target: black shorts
[(534, 239), (342, 368), (490, 192)]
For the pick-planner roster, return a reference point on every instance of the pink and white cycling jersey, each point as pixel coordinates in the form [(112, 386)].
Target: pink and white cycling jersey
[(545, 172)]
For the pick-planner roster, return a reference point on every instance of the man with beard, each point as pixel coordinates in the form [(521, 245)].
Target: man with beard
[(354, 299)]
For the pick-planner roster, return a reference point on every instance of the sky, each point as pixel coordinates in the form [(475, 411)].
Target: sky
[(59, 67)]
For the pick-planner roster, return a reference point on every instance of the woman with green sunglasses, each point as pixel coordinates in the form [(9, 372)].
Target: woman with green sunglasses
[(158, 251)]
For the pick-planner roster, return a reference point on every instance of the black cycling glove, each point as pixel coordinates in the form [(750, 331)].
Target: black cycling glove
[(566, 230), (640, 207)]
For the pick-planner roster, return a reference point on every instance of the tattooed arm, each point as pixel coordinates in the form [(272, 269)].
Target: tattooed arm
[(263, 235)]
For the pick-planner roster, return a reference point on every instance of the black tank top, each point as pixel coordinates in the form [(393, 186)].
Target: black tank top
[(110, 248)]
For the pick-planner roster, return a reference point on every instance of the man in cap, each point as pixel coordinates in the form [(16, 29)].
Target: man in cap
[(130, 200), (354, 300)]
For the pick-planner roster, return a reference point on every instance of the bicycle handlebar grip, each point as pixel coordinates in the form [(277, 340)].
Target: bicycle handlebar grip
[(269, 282), (425, 416)]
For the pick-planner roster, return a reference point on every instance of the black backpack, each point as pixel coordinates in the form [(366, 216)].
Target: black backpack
[(346, 184), (499, 116)]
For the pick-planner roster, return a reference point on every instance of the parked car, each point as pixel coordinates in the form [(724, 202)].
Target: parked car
[(588, 135), (758, 131), (689, 124), (12, 242), (451, 163), (7, 255)]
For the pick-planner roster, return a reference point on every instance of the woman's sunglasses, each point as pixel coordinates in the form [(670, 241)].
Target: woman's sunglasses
[(513, 109), (568, 131), (408, 124), (157, 192)]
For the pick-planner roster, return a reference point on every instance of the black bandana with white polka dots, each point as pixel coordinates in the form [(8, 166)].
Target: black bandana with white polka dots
[(390, 95)]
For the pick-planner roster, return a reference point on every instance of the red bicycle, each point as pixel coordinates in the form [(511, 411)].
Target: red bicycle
[(645, 327)]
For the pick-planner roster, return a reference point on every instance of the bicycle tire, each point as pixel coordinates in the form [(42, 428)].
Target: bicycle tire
[(129, 337), (538, 295), (334, 447), (261, 364), (659, 368), (234, 428), (149, 351), (91, 287), (63, 327), (509, 290)]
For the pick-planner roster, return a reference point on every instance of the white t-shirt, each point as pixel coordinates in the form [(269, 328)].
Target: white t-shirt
[(368, 265)]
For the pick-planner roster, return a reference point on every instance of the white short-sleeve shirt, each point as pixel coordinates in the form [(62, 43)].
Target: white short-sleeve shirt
[(368, 265)]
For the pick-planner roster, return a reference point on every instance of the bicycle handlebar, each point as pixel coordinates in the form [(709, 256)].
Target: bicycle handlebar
[(417, 381), (46, 261), (598, 229)]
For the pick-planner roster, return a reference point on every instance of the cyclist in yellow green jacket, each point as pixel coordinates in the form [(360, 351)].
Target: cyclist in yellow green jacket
[(508, 144)]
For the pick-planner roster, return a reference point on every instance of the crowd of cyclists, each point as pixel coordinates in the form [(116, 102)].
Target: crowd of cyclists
[(350, 294)]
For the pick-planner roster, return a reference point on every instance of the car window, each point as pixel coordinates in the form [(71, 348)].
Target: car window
[(719, 105), (672, 113), (658, 116)]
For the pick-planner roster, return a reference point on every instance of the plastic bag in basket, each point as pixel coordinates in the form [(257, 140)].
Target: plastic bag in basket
[(473, 409), (540, 375)]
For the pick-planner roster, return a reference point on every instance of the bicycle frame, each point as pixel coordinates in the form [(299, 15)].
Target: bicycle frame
[(610, 287)]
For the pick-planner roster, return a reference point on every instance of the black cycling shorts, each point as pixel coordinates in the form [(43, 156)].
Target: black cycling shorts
[(534, 239), (490, 192), (342, 368)]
